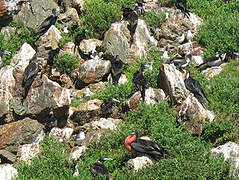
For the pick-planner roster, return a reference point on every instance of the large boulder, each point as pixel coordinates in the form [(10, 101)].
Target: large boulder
[(116, 42), (8, 172), (139, 162), (86, 46)]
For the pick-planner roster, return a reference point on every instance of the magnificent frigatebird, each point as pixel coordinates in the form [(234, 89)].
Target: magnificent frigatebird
[(29, 75), (99, 169), (52, 54), (182, 5), (79, 37), (46, 24), (136, 145), (195, 87), (116, 70), (107, 107), (133, 22), (126, 12), (212, 62), (181, 62), (140, 80)]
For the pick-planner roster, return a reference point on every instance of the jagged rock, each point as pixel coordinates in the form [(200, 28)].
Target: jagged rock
[(93, 71), (70, 17), (123, 79), (76, 152), (108, 123), (93, 136), (116, 42), (7, 172), (139, 162), (152, 96), (48, 41), (61, 134), (86, 46), (172, 82), (18, 133), (84, 112), (193, 114), (34, 12), (23, 57), (97, 86), (7, 157), (79, 3), (66, 82), (213, 71), (27, 152), (69, 48)]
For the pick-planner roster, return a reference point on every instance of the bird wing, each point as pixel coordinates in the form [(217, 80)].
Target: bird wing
[(139, 79), (30, 71), (46, 24), (98, 169)]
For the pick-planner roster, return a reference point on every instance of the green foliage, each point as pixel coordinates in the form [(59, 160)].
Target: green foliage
[(52, 163), (155, 20), (66, 62)]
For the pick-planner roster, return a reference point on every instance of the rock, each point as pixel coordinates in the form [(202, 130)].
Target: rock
[(34, 12), (193, 114), (18, 133), (27, 152), (70, 18), (79, 3), (76, 152), (23, 57), (61, 134), (172, 82), (7, 157), (7, 172), (48, 41), (123, 79), (139, 162), (69, 48), (66, 82), (84, 112), (93, 71), (86, 46), (96, 87), (213, 71), (116, 42), (152, 96), (108, 123)]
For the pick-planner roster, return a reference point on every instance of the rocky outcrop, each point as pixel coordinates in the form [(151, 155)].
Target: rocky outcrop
[(18, 133), (213, 71), (86, 46), (108, 123), (27, 152), (139, 162), (116, 42), (69, 18), (7, 172), (193, 114), (172, 82), (61, 134)]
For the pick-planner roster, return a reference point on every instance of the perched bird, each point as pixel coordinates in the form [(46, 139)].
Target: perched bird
[(80, 136), (140, 80), (99, 169), (180, 39), (132, 18), (149, 66), (139, 8), (46, 24), (182, 5), (65, 30), (136, 145), (165, 57), (126, 12), (166, 16), (79, 37), (195, 87), (50, 121), (189, 35), (180, 62), (88, 93), (116, 70), (107, 107), (212, 62), (52, 54), (94, 54)]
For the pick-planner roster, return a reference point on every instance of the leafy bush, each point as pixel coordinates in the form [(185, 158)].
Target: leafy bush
[(155, 20), (66, 62)]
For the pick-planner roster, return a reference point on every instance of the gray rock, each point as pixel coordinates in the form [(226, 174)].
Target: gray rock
[(86, 46), (8, 156), (116, 42), (213, 71), (69, 18), (18, 133), (61, 134), (7, 172), (172, 82), (93, 70), (123, 79), (139, 162), (108, 123), (76, 152)]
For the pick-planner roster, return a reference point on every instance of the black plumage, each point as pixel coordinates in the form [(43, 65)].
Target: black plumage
[(133, 22), (212, 62), (140, 81), (140, 8), (126, 12), (182, 5), (180, 62), (107, 107), (149, 148), (29, 75), (79, 37), (46, 24), (195, 87), (99, 169), (116, 70), (4, 52), (51, 55)]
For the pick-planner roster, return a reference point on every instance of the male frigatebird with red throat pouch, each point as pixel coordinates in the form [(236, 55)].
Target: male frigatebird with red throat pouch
[(136, 145)]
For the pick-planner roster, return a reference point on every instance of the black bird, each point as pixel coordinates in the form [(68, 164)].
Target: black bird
[(46, 24), (79, 37), (140, 81), (133, 22), (212, 62), (136, 145), (29, 75), (180, 62), (126, 12), (50, 121), (4, 52), (195, 87), (52, 54), (116, 70), (107, 107), (140, 7), (182, 5), (99, 169)]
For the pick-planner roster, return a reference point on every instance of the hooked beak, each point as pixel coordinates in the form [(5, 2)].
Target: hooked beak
[(107, 159), (116, 100)]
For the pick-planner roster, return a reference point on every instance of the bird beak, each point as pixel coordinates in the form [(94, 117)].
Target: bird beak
[(115, 100), (133, 133), (7, 52), (107, 159)]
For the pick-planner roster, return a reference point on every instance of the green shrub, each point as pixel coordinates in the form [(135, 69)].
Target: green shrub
[(66, 62), (155, 20)]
